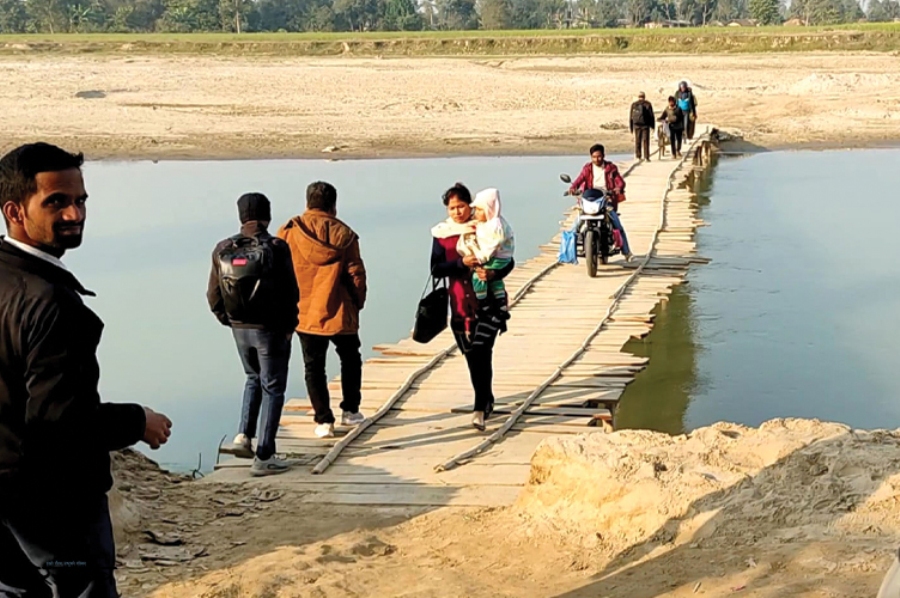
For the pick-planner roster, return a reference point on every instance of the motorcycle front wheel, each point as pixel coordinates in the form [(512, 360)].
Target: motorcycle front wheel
[(590, 252), (605, 242)]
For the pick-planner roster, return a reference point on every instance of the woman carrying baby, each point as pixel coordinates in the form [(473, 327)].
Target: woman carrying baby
[(475, 330)]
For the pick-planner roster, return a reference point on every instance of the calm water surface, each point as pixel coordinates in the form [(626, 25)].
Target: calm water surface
[(799, 312), (147, 254)]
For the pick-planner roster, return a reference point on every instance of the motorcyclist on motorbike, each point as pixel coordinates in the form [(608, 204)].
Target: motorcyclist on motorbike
[(604, 176)]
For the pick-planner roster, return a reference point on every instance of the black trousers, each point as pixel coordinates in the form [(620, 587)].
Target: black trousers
[(57, 548), (478, 349), (675, 136), (642, 141), (315, 350)]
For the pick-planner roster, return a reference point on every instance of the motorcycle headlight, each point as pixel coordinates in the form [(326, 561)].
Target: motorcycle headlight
[(591, 208)]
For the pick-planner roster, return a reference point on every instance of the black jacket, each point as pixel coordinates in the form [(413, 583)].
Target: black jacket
[(284, 311), (646, 119), (55, 434)]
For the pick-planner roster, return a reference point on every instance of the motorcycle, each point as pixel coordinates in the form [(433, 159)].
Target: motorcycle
[(595, 238)]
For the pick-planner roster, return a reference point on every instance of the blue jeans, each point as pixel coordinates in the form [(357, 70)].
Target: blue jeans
[(265, 355), (617, 224), (56, 542)]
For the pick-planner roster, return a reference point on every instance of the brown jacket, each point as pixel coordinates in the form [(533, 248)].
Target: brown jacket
[(330, 273)]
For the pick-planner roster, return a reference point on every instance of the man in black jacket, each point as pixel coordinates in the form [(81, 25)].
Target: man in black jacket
[(641, 120), (252, 289), (55, 435)]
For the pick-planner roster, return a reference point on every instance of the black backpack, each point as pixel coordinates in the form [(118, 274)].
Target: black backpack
[(245, 277), (637, 114)]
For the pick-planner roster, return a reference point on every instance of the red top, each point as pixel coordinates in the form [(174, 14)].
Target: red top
[(613, 183)]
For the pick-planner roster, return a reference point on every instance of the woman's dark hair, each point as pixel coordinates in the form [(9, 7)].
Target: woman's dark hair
[(460, 192)]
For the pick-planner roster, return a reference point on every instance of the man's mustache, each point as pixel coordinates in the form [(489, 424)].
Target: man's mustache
[(70, 226)]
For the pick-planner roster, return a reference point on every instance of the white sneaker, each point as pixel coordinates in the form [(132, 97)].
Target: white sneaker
[(352, 419), (242, 447), (270, 466), (325, 431)]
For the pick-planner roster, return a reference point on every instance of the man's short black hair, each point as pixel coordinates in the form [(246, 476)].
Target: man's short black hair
[(460, 192), (321, 196), (19, 168), (597, 148)]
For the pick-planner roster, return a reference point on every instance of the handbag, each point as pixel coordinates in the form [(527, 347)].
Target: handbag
[(433, 311)]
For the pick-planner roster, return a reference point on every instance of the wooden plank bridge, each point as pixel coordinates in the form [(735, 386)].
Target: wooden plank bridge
[(559, 370)]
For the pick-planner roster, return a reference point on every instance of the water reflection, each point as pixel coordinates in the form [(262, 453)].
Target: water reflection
[(659, 396)]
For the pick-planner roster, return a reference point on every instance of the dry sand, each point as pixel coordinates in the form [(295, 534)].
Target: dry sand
[(794, 508), (168, 107)]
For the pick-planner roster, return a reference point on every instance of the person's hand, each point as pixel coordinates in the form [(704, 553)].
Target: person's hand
[(471, 261), (485, 275), (158, 428)]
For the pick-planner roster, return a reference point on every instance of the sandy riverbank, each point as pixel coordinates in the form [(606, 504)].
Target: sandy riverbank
[(794, 508), (257, 107)]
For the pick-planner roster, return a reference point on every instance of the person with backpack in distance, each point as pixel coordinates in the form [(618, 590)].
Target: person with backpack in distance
[(332, 280), (252, 290), (639, 123), (687, 103)]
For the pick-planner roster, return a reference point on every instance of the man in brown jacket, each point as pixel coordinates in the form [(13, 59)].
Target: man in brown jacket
[(332, 280)]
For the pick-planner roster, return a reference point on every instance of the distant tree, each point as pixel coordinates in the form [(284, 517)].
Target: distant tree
[(13, 17), (457, 15), (235, 14), (705, 11), (496, 14), (50, 16), (729, 10), (606, 13), (184, 16), (402, 15), (639, 12), (883, 11), (825, 12), (765, 11)]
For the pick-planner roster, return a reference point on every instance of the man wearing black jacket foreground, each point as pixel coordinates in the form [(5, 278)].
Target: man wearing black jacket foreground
[(56, 538)]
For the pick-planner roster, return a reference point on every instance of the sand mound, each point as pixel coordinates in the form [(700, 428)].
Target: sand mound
[(786, 480)]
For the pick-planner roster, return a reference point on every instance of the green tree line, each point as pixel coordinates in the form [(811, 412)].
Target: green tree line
[(238, 16)]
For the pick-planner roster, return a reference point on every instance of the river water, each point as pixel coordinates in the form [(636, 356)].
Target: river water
[(797, 315)]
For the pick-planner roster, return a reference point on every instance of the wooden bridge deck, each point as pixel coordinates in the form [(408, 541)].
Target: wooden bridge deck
[(559, 370)]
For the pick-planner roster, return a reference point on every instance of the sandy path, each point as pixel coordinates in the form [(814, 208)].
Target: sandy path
[(259, 107)]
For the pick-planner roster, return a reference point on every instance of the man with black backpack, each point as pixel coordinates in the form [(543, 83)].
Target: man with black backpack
[(640, 122), (252, 290)]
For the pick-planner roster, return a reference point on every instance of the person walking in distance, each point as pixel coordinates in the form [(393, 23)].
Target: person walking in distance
[(56, 536), (332, 280), (252, 290), (672, 116), (640, 122), (687, 103)]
